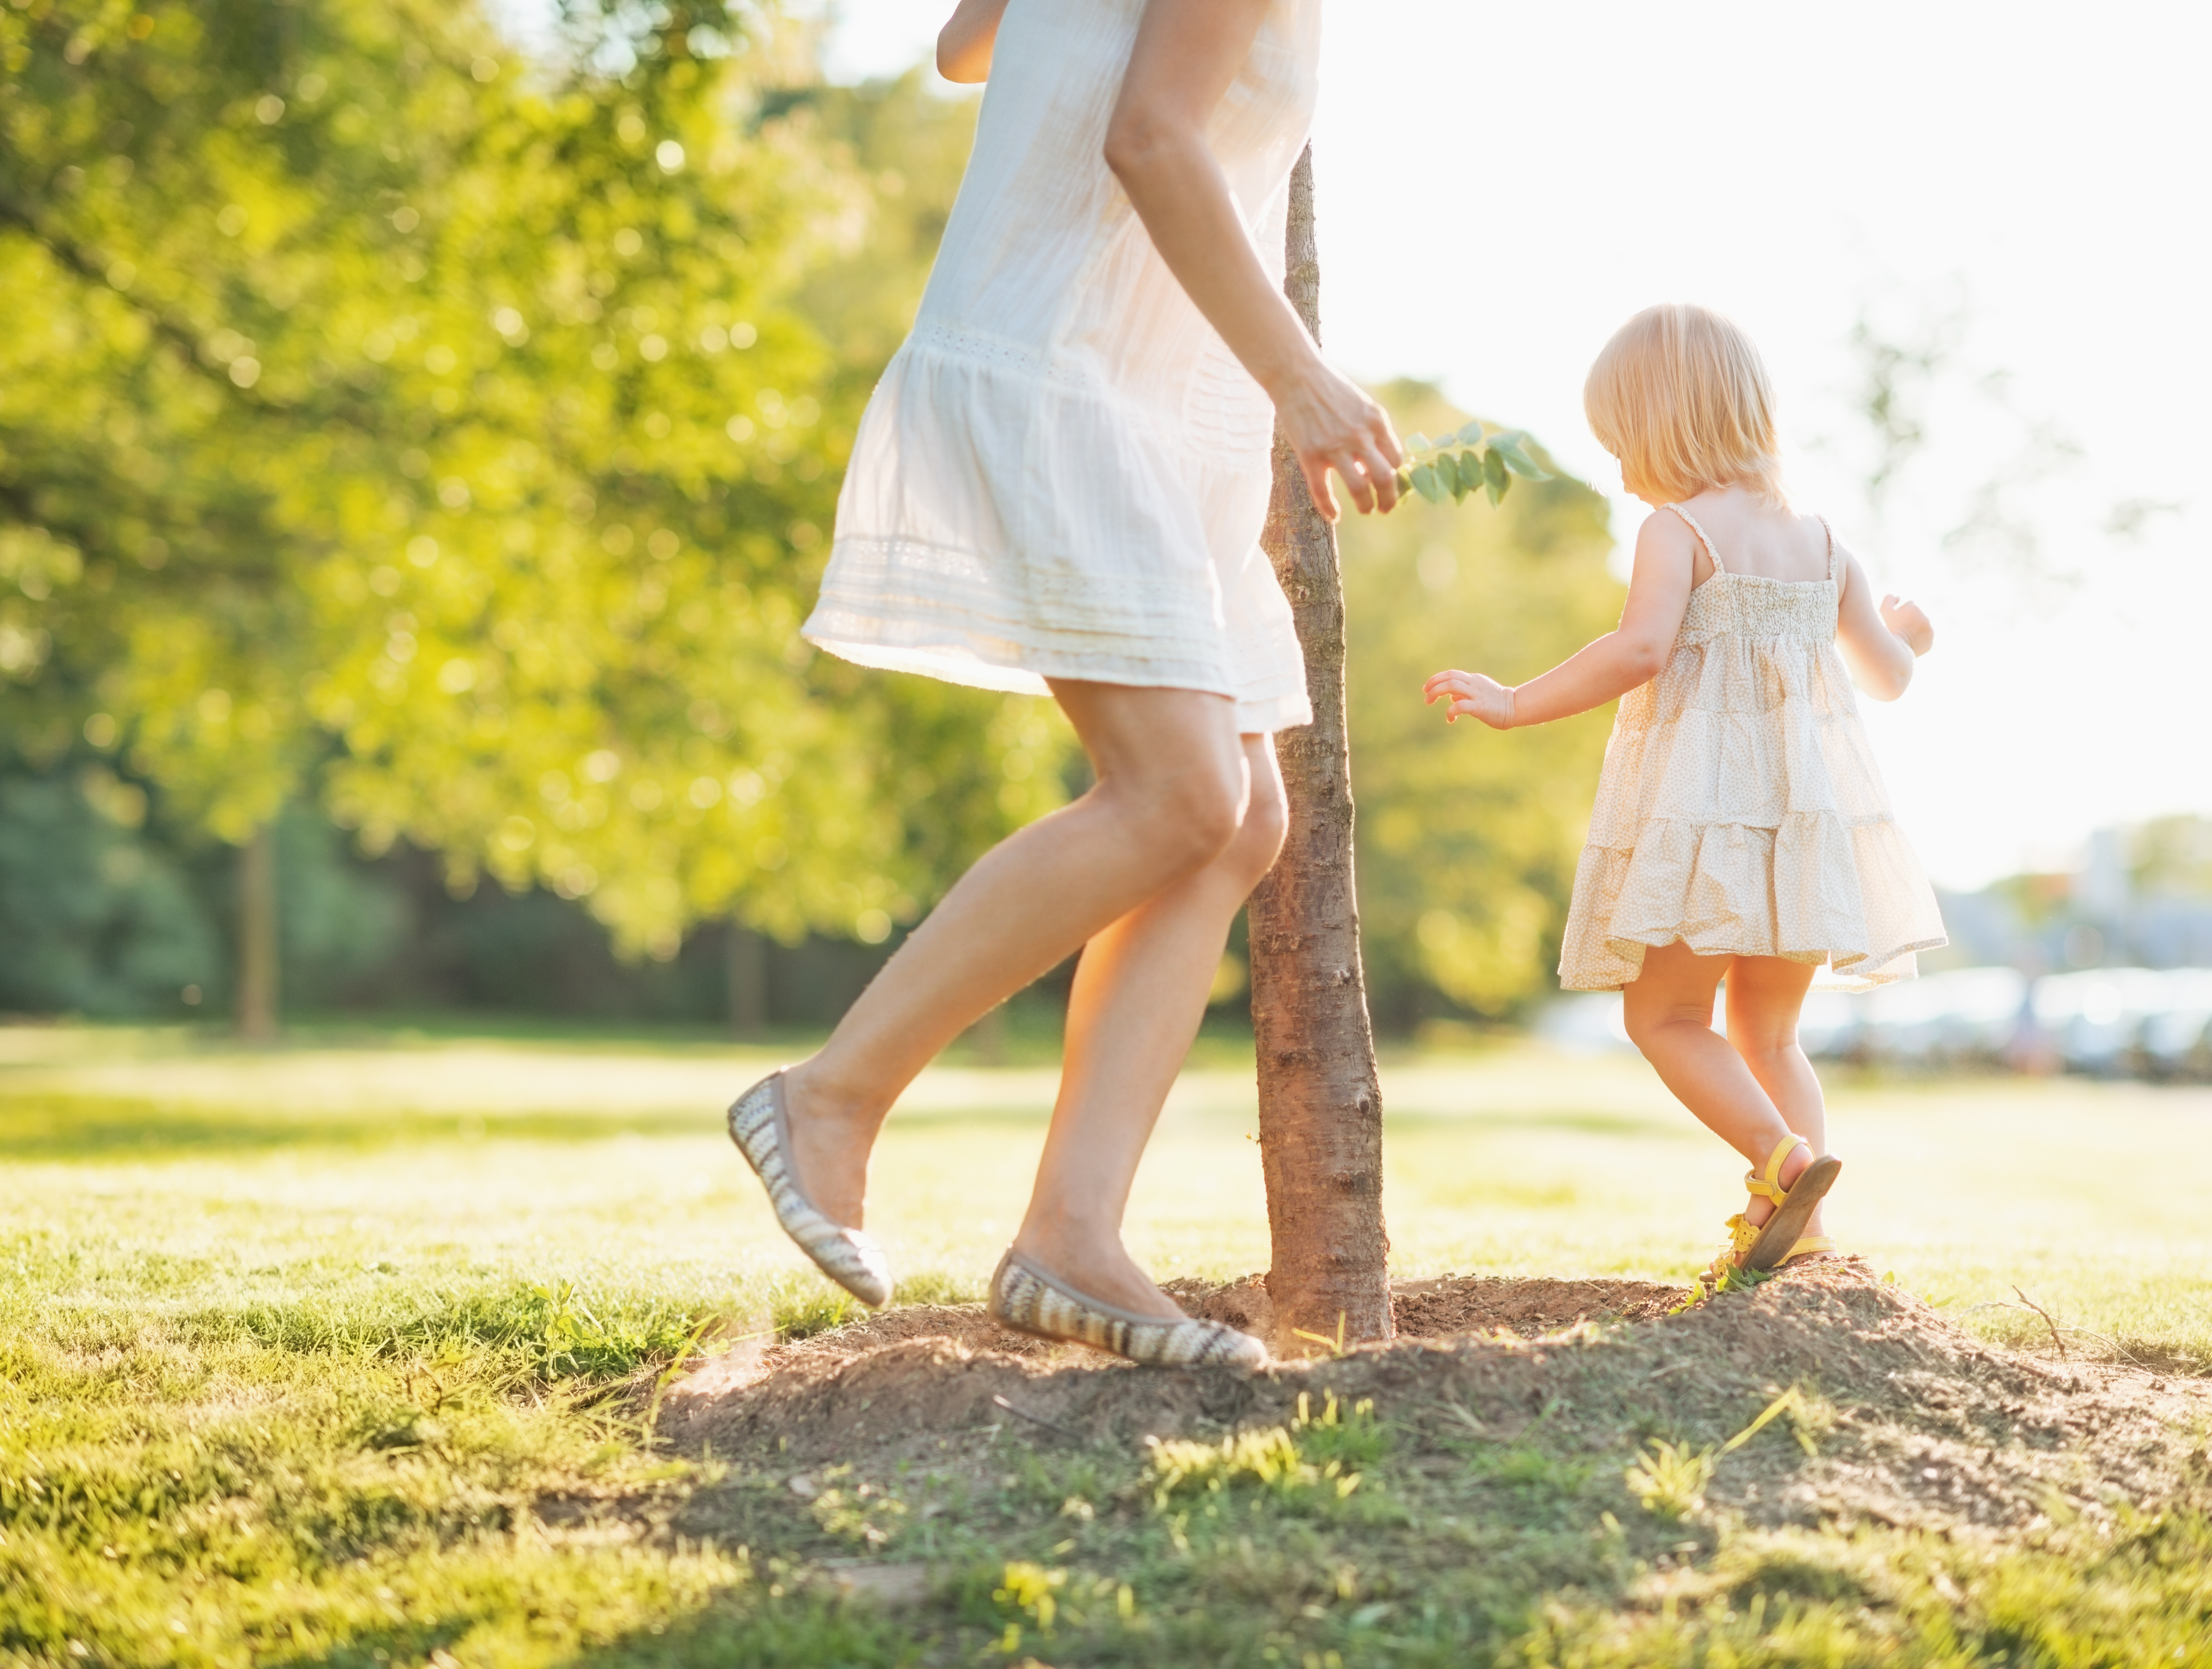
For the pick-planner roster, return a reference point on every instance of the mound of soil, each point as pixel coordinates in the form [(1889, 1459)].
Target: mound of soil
[(1910, 1421)]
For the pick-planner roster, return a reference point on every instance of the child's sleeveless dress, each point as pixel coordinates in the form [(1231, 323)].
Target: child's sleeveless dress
[(1064, 471), (1740, 809)]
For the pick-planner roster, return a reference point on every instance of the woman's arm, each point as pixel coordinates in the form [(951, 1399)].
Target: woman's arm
[(964, 45), (1633, 654), (1186, 53), (1880, 645)]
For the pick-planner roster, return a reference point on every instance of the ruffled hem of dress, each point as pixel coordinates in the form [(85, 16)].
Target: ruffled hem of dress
[(1258, 713), (1817, 888)]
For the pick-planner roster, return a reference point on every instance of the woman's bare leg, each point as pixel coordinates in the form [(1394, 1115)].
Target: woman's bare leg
[(1140, 994), (1765, 995), (1668, 1010), (1171, 781)]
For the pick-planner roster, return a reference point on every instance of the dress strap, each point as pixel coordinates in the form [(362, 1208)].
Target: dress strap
[(1700, 533), (1831, 533)]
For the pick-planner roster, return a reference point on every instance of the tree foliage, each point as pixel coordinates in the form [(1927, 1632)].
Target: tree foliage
[(455, 440), (1472, 458)]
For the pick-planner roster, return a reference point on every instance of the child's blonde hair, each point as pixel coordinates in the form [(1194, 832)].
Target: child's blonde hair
[(1680, 397)]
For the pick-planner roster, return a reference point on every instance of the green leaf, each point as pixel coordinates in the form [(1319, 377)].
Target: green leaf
[(1470, 472), (1519, 461), (1494, 475), (1417, 442), (1427, 484), (1472, 433)]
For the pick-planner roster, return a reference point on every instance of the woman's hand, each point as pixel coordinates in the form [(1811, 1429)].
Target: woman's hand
[(1471, 696), (1332, 425), (1908, 621)]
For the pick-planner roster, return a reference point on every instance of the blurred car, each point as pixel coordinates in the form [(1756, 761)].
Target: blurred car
[(2110, 1020), (2130, 1022)]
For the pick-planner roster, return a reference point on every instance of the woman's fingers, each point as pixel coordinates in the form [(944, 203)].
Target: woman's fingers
[(1384, 437), (1352, 468), (1380, 473), (1366, 483), (1316, 474), (1369, 480)]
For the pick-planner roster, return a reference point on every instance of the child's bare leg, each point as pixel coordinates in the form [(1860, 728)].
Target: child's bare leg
[(1668, 1010), (1765, 994)]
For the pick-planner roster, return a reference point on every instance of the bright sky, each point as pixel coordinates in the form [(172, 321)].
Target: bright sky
[(1499, 188)]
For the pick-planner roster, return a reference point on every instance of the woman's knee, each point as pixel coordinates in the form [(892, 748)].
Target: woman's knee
[(1192, 816), (1261, 831)]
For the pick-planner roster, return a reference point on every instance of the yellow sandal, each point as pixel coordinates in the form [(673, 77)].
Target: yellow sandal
[(1759, 1246)]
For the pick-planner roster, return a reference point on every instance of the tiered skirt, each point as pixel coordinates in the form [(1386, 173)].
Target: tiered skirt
[(1740, 811)]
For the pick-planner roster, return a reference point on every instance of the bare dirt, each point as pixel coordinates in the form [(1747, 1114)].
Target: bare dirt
[(1908, 1419)]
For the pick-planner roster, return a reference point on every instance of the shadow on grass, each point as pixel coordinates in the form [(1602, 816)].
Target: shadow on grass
[(378, 1648), (103, 1129), (100, 1128), (770, 1633), (735, 1632)]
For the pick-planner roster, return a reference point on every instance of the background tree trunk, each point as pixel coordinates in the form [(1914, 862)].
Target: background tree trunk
[(745, 963), (1321, 1105), (257, 936)]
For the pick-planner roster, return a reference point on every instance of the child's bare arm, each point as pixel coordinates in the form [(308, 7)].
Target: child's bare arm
[(1880, 644), (1658, 594), (964, 45)]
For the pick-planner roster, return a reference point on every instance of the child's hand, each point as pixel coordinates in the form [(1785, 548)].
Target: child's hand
[(1471, 696), (1908, 621)]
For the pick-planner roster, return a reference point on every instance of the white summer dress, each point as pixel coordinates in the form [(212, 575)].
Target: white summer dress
[(1064, 471), (1740, 809)]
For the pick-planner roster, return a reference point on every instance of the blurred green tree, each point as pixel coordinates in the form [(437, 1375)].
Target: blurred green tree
[(1468, 837), (96, 918), (454, 439)]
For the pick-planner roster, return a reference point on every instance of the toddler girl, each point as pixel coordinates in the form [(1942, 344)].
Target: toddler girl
[(1740, 829)]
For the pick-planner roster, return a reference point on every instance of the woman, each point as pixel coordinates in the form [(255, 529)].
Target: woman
[(1059, 485)]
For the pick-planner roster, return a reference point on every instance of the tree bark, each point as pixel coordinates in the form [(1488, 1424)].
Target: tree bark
[(745, 963), (1320, 1103), (257, 970)]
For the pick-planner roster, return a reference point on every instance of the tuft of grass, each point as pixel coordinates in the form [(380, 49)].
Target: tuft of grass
[(1316, 1454), (935, 1287), (812, 1305), (1348, 1434), (1669, 1479)]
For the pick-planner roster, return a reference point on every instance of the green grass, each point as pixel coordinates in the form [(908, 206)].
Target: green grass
[(346, 1353)]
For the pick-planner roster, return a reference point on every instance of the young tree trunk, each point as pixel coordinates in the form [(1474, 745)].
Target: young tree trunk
[(257, 936), (1321, 1105), (746, 965)]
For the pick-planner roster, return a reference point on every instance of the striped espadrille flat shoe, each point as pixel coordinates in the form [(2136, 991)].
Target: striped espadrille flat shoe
[(1025, 1298), (762, 1129)]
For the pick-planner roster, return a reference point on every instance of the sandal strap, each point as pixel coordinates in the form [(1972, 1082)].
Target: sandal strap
[(1769, 1187)]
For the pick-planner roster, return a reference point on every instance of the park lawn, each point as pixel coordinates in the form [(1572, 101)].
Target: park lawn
[(296, 1349)]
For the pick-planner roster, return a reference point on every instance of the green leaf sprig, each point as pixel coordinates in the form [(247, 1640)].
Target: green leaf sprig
[(1468, 459)]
